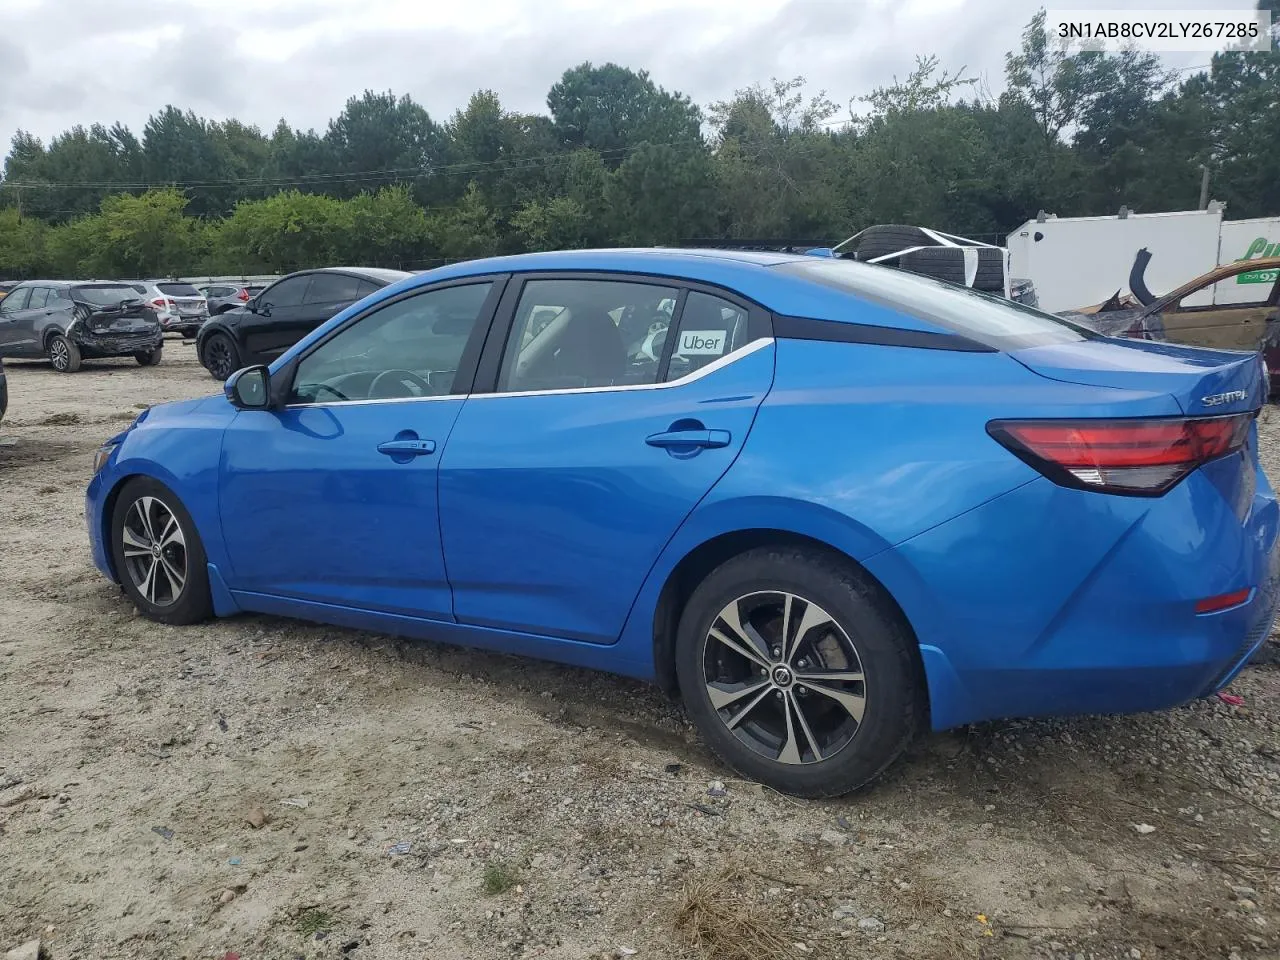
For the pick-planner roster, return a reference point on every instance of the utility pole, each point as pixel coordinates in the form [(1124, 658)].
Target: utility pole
[(1204, 186)]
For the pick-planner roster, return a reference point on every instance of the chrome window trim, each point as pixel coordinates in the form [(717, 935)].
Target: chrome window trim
[(733, 357)]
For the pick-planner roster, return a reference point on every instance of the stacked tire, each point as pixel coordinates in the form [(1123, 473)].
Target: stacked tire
[(885, 244)]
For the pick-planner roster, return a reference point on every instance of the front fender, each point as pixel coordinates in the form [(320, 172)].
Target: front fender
[(179, 445)]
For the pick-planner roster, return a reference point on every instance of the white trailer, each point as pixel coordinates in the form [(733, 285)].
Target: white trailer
[(1078, 261)]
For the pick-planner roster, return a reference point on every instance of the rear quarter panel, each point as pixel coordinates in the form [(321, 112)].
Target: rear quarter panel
[(864, 447)]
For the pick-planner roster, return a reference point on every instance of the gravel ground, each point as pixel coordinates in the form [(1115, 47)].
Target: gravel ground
[(268, 788)]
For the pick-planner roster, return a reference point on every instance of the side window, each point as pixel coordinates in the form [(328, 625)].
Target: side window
[(332, 288), (39, 297), (410, 348), (286, 293), (364, 288), (585, 333), (59, 293), (15, 301), (710, 328)]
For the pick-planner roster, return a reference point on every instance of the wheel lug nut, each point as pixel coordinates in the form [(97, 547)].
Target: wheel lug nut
[(778, 694), (777, 651)]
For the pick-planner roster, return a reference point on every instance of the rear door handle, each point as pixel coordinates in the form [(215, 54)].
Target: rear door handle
[(689, 438), (407, 448)]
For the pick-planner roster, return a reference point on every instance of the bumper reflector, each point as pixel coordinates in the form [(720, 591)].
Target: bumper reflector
[(1223, 601)]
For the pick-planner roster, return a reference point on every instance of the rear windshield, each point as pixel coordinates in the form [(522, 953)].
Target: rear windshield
[(104, 294), (178, 289), (989, 319)]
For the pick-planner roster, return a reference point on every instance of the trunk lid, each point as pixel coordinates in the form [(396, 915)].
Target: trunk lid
[(1203, 382)]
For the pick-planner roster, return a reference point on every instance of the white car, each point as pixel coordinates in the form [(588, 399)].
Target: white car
[(180, 306)]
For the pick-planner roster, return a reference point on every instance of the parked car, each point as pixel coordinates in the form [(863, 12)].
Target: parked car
[(282, 314), (1253, 325), (222, 297), (180, 307), (67, 321), (843, 503)]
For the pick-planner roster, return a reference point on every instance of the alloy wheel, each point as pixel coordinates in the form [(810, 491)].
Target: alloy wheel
[(59, 354), (784, 677), (218, 354), (155, 551)]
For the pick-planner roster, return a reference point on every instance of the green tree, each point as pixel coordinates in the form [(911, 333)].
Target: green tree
[(612, 109), (380, 138), (288, 231), (467, 229), (22, 245)]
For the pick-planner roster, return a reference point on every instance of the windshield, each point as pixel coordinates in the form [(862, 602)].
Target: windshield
[(178, 289), (104, 294), (989, 319)]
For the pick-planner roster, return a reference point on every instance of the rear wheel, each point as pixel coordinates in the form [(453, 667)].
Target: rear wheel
[(798, 672), (149, 358), (220, 356), (63, 354), (158, 554)]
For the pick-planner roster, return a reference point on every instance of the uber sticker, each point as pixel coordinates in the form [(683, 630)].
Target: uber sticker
[(701, 343)]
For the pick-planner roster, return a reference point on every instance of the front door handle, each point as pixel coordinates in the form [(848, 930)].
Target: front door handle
[(407, 448), (689, 438)]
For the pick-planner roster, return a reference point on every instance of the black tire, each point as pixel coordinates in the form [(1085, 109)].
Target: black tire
[(191, 602), (63, 353), (219, 355), (865, 629), (886, 238), (149, 358), (947, 263)]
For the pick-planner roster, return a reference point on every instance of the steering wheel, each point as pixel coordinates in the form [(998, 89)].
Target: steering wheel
[(409, 384), (318, 387)]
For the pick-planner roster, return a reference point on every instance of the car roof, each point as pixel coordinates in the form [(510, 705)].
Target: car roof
[(748, 273), (378, 275)]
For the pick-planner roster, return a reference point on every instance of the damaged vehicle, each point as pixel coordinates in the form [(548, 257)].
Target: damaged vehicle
[(1180, 317), (68, 321)]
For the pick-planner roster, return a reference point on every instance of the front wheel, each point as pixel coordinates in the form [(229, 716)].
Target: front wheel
[(220, 356), (798, 672), (149, 358), (63, 354), (158, 554)]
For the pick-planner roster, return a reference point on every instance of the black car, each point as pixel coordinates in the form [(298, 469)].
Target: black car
[(66, 321), (222, 297), (283, 314)]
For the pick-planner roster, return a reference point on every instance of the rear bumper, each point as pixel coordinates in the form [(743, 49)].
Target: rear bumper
[(93, 344), (1049, 601)]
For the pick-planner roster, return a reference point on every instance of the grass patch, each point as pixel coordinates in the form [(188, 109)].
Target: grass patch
[(719, 921), (499, 877), (313, 920)]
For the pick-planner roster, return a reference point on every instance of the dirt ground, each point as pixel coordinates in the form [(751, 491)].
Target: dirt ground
[(417, 800)]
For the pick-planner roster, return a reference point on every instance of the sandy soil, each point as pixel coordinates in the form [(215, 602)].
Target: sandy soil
[(544, 811)]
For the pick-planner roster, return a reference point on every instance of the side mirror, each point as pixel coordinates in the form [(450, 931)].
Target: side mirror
[(249, 388)]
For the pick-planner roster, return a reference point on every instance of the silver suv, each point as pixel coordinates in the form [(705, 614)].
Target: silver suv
[(180, 306)]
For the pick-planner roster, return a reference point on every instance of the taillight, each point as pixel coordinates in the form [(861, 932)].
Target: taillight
[(159, 303), (1135, 457), (244, 296)]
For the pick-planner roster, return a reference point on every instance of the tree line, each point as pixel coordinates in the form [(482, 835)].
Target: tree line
[(619, 160)]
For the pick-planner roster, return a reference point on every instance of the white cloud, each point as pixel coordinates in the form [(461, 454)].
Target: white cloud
[(64, 62)]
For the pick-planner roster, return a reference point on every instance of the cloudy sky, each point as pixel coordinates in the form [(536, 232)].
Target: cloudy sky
[(64, 62)]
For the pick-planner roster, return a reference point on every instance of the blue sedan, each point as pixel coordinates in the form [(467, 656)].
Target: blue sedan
[(829, 504)]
